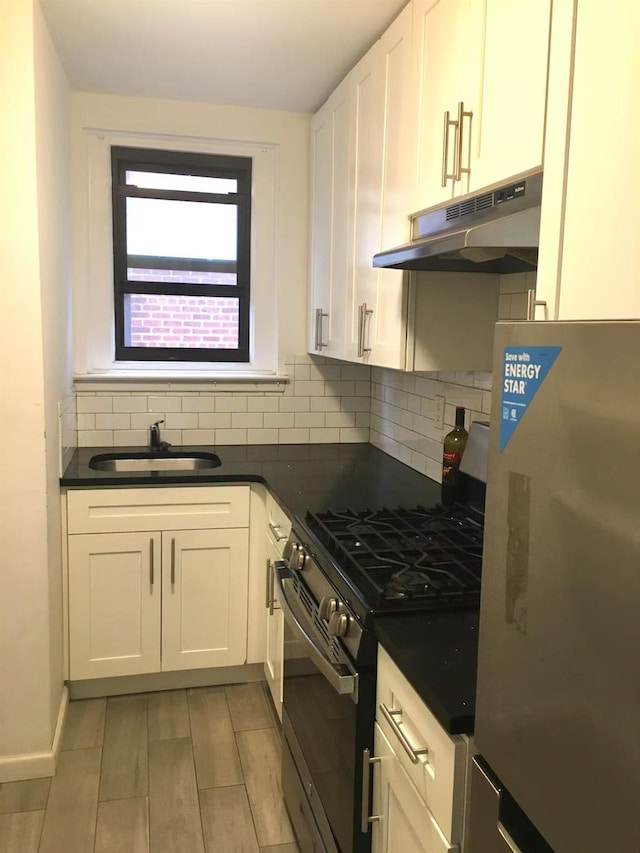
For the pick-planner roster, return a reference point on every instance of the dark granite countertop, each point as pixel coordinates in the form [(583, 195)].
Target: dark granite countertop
[(436, 652)]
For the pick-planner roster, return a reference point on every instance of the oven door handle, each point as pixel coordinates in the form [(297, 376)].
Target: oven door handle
[(339, 677)]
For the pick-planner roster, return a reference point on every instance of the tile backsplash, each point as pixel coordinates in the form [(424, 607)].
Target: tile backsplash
[(323, 401)]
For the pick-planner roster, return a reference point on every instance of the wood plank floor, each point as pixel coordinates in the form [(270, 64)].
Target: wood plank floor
[(183, 771)]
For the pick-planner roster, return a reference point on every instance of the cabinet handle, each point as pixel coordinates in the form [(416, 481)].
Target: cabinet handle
[(365, 819), (151, 563), (319, 342), (275, 529), (533, 303), (173, 562), (390, 715), (268, 589), (462, 114), (271, 574), (445, 148), (363, 314)]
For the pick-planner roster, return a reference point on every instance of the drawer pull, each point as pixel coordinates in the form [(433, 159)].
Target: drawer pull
[(390, 715), (275, 529), (365, 819), (151, 565), (173, 562)]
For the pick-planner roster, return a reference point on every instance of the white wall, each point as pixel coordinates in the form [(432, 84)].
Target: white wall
[(52, 169), (30, 635), (278, 143)]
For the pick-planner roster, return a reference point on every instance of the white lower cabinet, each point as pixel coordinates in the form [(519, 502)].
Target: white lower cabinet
[(404, 822), (420, 772), (144, 600)]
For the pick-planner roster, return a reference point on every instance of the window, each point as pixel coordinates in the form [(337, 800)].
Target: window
[(181, 245)]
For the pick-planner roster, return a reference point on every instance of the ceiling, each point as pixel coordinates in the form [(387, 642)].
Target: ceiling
[(277, 54)]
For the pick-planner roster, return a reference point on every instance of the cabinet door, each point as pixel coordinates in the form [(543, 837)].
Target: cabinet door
[(204, 598), (385, 332), (114, 604), (405, 823), (598, 269), (273, 664), (329, 236), (508, 122), (442, 56)]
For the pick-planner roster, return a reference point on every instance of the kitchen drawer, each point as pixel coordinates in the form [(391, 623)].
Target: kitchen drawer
[(278, 523), (185, 508), (439, 773)]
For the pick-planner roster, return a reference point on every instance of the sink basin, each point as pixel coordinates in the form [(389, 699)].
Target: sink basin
[(150, 461)]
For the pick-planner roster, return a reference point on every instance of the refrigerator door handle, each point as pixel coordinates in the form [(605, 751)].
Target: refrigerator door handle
[(508, 840)]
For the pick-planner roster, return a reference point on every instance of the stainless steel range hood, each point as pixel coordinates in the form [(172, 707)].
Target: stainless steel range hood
[(495, 230)]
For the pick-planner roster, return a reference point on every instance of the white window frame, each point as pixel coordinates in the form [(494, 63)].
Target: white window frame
[(94, 340)]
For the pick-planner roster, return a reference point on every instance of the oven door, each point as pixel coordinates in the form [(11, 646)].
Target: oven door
[(323, 728)]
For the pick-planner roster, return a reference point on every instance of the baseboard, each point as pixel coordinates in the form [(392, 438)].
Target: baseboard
[(151, 682), (36, 765)]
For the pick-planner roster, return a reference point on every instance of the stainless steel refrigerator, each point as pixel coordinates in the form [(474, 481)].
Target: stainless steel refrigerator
[(558, 696)]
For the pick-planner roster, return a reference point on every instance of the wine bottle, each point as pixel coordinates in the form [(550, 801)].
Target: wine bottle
[(454, 445)]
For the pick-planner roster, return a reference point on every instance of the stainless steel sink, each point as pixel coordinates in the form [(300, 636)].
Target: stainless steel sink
[(150, 461)]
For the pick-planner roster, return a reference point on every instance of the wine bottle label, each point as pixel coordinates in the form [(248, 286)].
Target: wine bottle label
[(449, 456), (450, 465)]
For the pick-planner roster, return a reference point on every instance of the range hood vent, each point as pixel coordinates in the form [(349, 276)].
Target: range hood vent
[(496, 231)]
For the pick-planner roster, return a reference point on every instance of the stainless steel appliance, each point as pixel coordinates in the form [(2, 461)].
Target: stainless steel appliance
[(558, 697), (493, 230), (339, 569)]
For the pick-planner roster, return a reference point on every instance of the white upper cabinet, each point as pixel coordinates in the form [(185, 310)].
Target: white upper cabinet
[(330, 240), (442, 79), (589, 266), (509, 108), (480, 68), (383, 150)]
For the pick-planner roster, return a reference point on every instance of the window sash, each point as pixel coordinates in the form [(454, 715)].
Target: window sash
[(239, 168)]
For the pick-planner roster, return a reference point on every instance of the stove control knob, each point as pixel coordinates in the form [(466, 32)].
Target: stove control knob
[(327, 607), (298, 559), (338, 625)]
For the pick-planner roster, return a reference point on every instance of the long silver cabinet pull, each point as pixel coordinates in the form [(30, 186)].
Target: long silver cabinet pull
[(173, 562), (390, 715), (268, 587), (365, 818), (533, 303), (462, 115), (275, 529), (320, 314), (151, 563), (448, 123), (272, 596), (363, 314)]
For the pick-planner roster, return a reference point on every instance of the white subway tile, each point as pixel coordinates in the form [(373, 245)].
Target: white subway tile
[(355, 404), (279, 421), (325, 404), (186, 420), (396, 397), (483, 379), (121, 421), (294, 404), (340, 419), (513, 282), (262, 404), (486, 402), (219, 420), (262, 436), (231, 404), (163, 403), (173, 436), (341, 389), (231, 436), (325, 372), (301, 372), (428, 407), (87, 421), (247, 420), (324, 436), (419, 462), (130, 438), (518, 306), (137, 403), (199, 404), (94, 404), (356, 372), (414, 403), (352, 436), (426, 387), (504, 306), (140, 420), (95, 438), (363, 419), (458, 395), (305, 358), (434, 469), (464, 377), (198, 436), (309, 419), (312, 388), (293, 436)]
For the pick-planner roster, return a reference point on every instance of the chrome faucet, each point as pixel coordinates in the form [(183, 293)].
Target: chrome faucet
[(154, 437)]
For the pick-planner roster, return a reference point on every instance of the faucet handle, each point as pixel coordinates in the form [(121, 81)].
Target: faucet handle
[(156, 423)]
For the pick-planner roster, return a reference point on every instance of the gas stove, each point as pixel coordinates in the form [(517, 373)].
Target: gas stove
[(401, 560)]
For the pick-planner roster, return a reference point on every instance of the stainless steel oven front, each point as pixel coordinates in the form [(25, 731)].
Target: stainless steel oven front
[(328, 710)]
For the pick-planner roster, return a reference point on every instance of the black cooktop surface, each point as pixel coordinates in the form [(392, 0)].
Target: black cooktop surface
[(406, 559)]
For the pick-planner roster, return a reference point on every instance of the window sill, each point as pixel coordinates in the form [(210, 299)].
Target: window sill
[(183, 381)]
